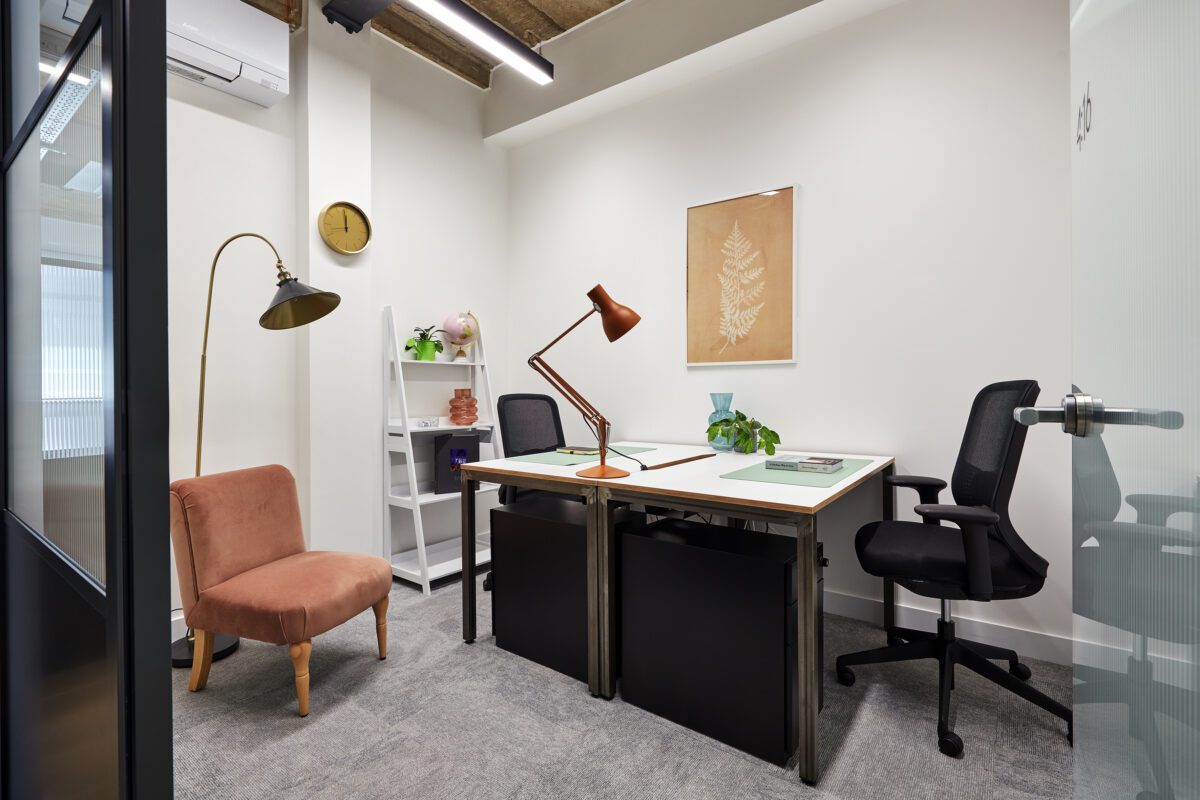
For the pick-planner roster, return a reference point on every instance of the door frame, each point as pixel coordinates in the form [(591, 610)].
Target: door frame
[(135, 601)]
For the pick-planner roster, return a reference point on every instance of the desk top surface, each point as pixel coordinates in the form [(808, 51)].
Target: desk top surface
[(696, 480)]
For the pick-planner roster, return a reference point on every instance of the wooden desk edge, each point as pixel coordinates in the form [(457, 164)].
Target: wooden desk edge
[(484, 473)]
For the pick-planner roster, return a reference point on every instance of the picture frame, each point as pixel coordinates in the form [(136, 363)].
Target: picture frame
[(748, 240)]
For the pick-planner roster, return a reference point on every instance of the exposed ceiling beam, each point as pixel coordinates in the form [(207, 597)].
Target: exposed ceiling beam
[(531, 21)]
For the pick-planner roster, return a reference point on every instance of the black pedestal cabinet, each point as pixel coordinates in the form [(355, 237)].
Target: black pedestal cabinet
[(708, 632)]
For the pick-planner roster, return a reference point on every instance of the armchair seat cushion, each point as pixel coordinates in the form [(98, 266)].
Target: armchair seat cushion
[(294, 598), (931, 561)]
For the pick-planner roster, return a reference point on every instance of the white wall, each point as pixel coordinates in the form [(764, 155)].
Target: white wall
[(230, 168), (931, 145)]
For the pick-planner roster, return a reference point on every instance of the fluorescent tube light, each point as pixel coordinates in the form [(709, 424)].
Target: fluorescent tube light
[(481, 31), (49, 70)]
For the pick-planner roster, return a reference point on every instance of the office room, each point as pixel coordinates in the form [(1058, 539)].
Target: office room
[(601, 399)]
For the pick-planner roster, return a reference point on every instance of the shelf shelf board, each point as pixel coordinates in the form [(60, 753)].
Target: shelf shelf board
[(400, 498), (443, 558), (445, 363), (397, 428)]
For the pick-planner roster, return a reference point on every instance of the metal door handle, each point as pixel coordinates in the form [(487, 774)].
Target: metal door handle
[(1083, 415)]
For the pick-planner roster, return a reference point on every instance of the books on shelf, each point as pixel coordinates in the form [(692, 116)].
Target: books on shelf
[(805, 464)]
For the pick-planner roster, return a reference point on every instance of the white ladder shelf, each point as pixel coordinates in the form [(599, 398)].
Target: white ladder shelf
[(423, 563)]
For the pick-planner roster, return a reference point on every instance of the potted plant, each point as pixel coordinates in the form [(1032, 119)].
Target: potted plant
[(424, 345), (747, 434)]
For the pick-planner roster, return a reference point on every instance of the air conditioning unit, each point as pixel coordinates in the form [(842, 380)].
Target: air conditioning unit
[(229, 46)]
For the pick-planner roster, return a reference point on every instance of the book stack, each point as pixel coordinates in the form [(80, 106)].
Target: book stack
[(805, 464)]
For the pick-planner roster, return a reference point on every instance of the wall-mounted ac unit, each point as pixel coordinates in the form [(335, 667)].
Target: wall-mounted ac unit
[(229, 46)]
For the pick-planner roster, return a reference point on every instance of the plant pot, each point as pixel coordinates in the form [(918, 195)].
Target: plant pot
[(721, 402), (424, 350)]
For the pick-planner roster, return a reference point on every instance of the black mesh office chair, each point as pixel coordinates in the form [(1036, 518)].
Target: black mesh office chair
[(529, 423), (984, 559)]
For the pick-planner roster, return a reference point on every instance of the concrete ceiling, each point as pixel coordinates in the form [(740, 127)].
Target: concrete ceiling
[(531, 21)]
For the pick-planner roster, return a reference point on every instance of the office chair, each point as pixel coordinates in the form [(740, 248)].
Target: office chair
[(1112, 562), (984, 559), (529, 423)]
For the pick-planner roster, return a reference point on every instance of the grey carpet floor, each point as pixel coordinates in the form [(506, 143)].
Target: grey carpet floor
[(443, 719)]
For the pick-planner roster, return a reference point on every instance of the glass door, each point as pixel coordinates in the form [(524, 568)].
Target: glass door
[(84, 693), (1135, 69)]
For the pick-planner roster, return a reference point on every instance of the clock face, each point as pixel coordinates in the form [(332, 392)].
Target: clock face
[(345, 228)]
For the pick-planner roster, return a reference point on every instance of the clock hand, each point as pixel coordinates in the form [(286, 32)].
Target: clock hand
[(345, 221)]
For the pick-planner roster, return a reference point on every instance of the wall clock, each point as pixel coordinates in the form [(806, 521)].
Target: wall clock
[(344, 227)]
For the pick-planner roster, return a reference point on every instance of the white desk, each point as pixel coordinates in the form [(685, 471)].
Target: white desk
[(695, 486)]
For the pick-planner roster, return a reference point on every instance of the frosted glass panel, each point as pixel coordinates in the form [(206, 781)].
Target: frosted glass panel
[(1136, 333), (56, 322)]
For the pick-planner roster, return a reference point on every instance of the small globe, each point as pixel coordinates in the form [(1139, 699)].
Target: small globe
[(462, 330)]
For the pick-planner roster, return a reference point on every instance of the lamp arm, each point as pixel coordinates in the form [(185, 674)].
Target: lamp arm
[(212, 276)]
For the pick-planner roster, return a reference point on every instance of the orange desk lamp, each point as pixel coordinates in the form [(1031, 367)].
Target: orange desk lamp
[(617, 320)]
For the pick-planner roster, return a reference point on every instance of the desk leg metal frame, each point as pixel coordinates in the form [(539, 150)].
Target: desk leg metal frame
[(468, 558), (889, 586), (602, 681), (807, 648)]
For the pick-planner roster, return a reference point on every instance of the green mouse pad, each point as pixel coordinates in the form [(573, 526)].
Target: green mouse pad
[(571, 459), (816, 480)]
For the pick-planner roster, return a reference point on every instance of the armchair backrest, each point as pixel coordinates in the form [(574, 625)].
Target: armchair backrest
[(225, 524), (987, 461), (529, 423)]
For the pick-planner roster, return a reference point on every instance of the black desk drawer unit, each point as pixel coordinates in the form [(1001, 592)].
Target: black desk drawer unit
[(539, 580), (708, 632)]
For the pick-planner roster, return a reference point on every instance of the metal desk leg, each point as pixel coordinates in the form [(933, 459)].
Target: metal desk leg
[(468, 558), (606, 581), (599, 595), (806, 648), (889, 513)]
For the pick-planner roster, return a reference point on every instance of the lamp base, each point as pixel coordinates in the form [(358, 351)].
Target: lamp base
[(182, 648), (602, 471)]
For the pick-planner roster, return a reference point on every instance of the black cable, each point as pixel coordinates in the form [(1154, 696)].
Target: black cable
[(596, 432)]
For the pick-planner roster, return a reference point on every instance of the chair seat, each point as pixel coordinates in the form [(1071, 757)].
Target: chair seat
[(294, 598), (929, 560)]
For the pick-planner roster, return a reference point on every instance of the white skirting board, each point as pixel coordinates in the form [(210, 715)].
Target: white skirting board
[(1029, 644)]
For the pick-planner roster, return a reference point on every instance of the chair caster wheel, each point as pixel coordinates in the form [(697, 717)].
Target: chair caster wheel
[(950, 744), (894, 641), (1019, 670), (845, 676)]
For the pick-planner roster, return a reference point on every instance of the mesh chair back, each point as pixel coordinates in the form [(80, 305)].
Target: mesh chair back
[(529, 423), (988, 459)]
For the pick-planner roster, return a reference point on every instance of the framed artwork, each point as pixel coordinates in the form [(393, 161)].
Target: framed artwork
[(741, 280)]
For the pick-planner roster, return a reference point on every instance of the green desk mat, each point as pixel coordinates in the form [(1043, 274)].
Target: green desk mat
[(817, 480), (571, 459)]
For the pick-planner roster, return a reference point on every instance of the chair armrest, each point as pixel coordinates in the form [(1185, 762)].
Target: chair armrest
[(1156, 509), (974, 522), (927, 488)]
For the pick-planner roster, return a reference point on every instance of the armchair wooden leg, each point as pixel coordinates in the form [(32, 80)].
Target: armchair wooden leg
[(202, 653), (299, 654), (380, 609)]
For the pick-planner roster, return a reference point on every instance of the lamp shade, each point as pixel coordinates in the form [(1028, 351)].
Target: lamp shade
[(617, 319), (296, 304)]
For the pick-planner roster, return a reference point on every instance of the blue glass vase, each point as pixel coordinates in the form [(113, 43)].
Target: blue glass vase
[(721, 402)]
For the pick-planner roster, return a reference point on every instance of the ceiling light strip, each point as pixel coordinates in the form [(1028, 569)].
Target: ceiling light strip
[(487, 35)]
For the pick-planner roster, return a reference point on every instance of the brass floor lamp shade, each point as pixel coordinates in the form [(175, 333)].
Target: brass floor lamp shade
[(294, 305), (617, 320)]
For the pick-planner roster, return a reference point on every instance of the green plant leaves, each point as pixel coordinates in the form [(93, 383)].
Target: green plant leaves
[(746, 434)]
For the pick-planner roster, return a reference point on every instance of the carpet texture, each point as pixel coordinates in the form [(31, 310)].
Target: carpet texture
[(443, 720)]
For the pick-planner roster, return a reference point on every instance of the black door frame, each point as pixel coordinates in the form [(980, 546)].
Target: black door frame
[(136, 598)]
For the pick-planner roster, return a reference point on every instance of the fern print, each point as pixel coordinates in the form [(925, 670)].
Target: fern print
[(739, 306)]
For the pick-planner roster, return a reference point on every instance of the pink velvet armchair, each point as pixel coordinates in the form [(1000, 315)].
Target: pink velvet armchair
[(244, 570)]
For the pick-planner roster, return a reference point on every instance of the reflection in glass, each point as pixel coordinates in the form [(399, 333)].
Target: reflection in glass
[(41, 32), (56, 322), (1137, 611)]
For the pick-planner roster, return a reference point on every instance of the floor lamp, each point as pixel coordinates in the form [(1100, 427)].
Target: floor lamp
[(617, 320), (294, 305)]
